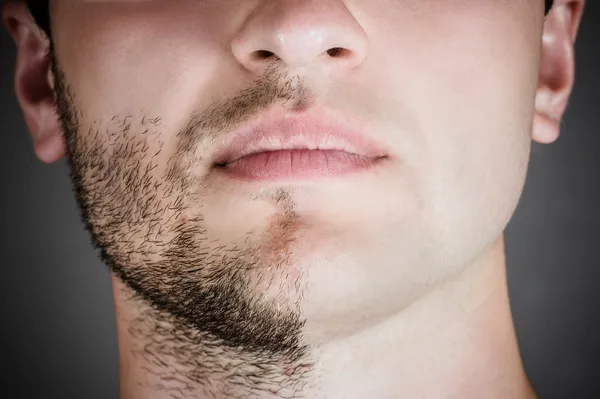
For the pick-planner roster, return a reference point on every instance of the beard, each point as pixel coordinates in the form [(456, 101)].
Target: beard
[(201, 300)]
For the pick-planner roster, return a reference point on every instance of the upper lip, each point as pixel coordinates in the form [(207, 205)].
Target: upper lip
[(294, 132)]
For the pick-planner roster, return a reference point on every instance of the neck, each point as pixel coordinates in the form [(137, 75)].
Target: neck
[(458, 340)]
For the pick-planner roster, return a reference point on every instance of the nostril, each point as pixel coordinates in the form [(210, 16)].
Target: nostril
[(336, 52), (263, 54)]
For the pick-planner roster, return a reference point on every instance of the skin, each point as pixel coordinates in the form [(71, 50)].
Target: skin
[(387, 284)]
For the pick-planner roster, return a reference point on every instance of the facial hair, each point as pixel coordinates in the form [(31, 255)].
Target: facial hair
[(199, 310)]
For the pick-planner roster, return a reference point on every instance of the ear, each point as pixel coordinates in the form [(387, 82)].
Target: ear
[(34, 82), (557, 68)]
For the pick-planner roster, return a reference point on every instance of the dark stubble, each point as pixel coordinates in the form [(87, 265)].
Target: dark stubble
[(201, 321)]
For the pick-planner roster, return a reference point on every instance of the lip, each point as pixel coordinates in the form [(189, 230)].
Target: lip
[(298, 146)]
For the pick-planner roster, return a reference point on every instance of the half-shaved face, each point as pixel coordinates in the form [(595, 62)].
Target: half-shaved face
[(150, 94), (277, 185)]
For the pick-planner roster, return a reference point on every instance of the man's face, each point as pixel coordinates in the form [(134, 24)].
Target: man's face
[(150, 92)]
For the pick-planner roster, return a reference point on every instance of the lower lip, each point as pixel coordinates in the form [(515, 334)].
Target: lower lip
[(297, 165)]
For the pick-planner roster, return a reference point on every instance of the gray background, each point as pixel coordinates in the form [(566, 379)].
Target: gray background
[(57, 327)]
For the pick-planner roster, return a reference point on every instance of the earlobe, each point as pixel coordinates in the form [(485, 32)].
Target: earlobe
[(32, 82), (557, 69), (48, 140)]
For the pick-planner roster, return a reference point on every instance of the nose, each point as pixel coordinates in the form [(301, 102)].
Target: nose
[(299, 33)]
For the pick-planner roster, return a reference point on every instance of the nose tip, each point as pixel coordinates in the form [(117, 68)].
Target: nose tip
[(298, 35)]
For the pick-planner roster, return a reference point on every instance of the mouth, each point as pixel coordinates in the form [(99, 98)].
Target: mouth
[(298, 148), (296, 164)]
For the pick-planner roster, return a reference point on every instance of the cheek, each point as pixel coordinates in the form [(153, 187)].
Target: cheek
[(478, 137), (139, 85), (151, 60), (468, 87)]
